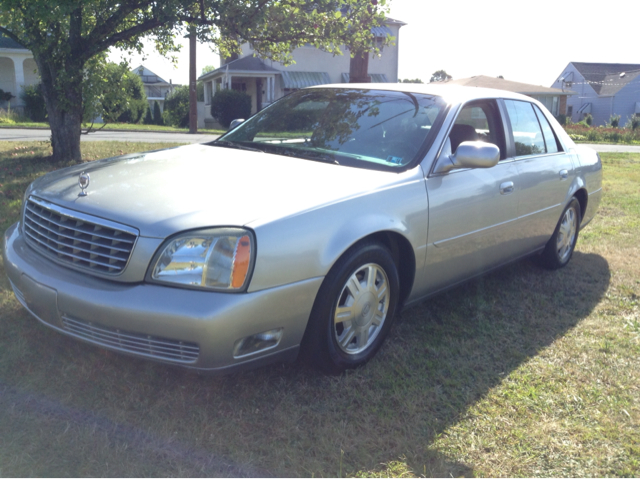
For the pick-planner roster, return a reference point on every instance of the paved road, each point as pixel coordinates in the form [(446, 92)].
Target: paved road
[(619, 148), (15, 134), (19, 134)]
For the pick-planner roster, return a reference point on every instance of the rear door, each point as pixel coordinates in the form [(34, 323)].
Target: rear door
[(545, 172)]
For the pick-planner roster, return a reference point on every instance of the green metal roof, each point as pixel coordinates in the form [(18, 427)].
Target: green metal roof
[(304, 79), (375, 78)]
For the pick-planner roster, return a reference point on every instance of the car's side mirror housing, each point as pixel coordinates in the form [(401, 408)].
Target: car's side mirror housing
[(470, 154), (235, 123)]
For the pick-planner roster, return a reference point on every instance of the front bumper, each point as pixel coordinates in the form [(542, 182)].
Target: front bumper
[(193, 329)]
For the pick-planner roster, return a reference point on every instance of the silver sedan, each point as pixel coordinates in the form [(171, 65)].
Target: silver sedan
[(303, 230)]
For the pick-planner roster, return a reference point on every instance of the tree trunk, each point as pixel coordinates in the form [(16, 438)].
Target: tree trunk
[(358, 68), (64, 107), (193, 100)]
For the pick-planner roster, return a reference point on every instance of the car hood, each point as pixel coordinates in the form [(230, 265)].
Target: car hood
[(167, 191)]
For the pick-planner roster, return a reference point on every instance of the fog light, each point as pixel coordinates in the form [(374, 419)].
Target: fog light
[(257, 342)]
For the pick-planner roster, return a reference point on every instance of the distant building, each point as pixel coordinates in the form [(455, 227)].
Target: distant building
[(603, 89), (554, 99), (155, 87), (17, 69), (266, 81)]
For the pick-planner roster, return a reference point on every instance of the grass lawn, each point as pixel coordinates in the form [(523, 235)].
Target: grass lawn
[(523, 372), (116, 126)]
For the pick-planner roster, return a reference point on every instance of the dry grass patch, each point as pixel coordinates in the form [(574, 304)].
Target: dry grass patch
[(523, 372)]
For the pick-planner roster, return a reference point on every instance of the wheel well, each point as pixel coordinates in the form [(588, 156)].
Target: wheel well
[(402, 253), (581, 196)]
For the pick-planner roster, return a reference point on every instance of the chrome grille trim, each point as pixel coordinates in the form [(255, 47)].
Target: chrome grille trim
[(76, 239), (134, 343)]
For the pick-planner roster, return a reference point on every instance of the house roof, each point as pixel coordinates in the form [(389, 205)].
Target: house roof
[(483, 81), (244, 64), (6, 42), (148, 77), (390, 20), (607, 79)]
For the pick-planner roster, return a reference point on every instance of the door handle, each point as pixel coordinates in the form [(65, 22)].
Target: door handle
[(506, 188), (564, 174)]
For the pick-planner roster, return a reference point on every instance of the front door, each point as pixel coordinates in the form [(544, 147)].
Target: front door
[(472, 211)]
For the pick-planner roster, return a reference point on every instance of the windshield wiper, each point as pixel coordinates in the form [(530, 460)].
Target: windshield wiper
[(231, 144), (306, 154)]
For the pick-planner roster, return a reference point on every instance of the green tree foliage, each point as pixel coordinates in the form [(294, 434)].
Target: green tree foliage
[(440, 76), (176, 107), (115, 93), (157, 114), (415, 80), (33, 100), (228, 105), (66, 36), (207, 69)]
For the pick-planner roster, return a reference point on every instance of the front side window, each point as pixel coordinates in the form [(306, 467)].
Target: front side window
[(353, 127), (478, 121), (527, 133)]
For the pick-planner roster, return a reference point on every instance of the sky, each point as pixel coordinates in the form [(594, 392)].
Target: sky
[(529, 42)]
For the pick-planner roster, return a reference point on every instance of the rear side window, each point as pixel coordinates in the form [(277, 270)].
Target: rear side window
[(527, 134), (549, 137)]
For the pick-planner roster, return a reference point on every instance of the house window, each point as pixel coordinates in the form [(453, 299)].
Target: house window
[(239, 86), (569, 111)]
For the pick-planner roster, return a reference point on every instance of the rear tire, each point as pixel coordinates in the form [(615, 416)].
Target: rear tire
[(353, 310), (559, 248)]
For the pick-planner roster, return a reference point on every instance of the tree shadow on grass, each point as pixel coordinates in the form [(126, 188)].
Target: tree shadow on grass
[(284, 420)]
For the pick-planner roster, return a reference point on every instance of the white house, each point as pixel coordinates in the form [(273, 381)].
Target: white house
[(17, 69), (603, 89), (266, 81), (155, 87)]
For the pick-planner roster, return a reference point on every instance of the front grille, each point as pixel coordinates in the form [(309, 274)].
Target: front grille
[(135, 343), (80, 240)]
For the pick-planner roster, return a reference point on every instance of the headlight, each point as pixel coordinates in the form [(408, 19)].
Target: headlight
[(217, 259)]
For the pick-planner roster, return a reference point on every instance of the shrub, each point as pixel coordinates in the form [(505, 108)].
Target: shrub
[(176, 107), (157, 114), (562, 119), (34, 106), (588, 119), (633, 123), (148, 118), (614, 121), (228, 105)]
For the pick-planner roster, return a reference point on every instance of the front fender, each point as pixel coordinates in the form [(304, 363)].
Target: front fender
[(307, 245)]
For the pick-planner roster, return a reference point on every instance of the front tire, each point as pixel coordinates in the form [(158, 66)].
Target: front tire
[(559, 248), (353, 311)]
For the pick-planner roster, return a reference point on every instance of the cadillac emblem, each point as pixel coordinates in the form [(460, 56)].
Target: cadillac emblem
[(83, 183)]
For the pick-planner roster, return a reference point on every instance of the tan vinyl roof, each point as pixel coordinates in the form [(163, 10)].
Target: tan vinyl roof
[(513, 86)]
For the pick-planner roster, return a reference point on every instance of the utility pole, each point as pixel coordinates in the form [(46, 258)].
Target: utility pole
[(193, 97)]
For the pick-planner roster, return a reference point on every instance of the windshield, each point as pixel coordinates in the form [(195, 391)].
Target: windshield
[(366, 128)]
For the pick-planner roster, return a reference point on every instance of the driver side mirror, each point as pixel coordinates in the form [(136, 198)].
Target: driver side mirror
[(470, 154)]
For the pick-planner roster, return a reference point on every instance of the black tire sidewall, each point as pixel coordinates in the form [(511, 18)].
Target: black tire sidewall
[(320, 343), (550, 256)]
